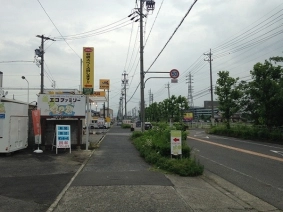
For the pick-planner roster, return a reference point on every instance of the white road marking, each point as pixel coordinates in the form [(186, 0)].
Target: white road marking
[(277, 152), (235, 170)]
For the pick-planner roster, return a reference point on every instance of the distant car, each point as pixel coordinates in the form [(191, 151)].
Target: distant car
[(119, 123), (147, 126)]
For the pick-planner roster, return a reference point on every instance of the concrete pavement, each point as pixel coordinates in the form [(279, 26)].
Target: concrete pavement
[(116, 178)]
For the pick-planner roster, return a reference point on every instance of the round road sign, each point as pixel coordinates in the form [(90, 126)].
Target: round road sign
[(174, 73)]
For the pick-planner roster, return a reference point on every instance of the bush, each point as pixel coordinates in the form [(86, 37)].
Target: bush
[(249, 132), (136, 134), (126, 126), (155, 147)]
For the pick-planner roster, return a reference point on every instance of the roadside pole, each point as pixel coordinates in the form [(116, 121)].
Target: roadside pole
[(87, 122)]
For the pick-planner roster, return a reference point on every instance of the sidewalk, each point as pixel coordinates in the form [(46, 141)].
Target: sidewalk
[(116, 178)]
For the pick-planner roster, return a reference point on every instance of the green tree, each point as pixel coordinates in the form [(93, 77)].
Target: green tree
[(263, 99), (228, 95), (173, 108)]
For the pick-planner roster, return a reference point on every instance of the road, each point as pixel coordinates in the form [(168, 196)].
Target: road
[(256, 167)]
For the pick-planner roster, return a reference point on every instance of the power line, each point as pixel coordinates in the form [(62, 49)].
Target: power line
[(57, 28), (153, 22), (100, 32), (79, 34), (172, 35)]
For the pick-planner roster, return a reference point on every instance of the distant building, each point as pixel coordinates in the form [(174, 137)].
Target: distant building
[(207, 104)]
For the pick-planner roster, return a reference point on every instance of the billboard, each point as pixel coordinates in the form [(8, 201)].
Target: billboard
[(188, 117), (98, 94), (88, 70), (104, 84), (61, 105)]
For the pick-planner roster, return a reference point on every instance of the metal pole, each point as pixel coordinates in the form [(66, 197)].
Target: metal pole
[(87, 122), (42, 65), (125, 96), (28, 91), (211, 89), (108, 105), (141, 66), (81, 76)]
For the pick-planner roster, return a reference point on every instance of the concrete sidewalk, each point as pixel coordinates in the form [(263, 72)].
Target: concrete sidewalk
[(115, 178)]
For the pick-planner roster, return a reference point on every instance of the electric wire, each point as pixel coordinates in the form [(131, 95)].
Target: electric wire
[(172, 35), (153, 22), (100, 32), (129, 47), (57, 29), (79, 34), (235, 38)]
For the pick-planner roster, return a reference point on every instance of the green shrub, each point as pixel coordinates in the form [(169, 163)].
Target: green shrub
[(136, 134), (126, 126), (248, 132), (155, 147)]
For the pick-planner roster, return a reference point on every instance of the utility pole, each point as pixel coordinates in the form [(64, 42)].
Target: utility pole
[(168, 87), (125, 82), (150, 5), (149, 93), (141, 66), (108, 99), (211, 87), (40, 53), (104, 110)]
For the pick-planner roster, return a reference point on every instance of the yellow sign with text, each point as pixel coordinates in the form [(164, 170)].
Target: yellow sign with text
[(104, 84), (98, 94), (88, 70)]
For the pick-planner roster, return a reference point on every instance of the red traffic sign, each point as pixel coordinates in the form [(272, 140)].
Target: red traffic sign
[(174, 73)]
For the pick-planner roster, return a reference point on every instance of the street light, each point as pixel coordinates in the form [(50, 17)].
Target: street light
[(23, 77)]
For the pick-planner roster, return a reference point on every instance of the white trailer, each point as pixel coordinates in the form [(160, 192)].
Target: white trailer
[(13, 126)]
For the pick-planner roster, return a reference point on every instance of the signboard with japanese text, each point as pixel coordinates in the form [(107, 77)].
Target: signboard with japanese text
[(62, 105), (176, 142), (104, 84), (98, 94), (88, 70), (36, 126), (63, 137)]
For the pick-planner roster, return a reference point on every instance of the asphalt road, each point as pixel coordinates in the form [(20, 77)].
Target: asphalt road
[(256, 167), (31, 181)]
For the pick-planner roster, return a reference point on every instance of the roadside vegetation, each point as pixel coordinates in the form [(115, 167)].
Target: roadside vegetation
[(155, 147), (247, 131), (126, 126), (259, 101)]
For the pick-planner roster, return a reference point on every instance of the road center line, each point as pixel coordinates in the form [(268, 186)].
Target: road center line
[(238, 149)]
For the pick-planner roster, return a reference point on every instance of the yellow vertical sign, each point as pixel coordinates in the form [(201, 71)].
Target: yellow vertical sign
[(88, 70)]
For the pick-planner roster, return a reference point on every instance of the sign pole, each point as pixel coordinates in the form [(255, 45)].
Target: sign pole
[(87, 122)]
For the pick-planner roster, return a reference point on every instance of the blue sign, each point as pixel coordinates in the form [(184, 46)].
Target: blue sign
[(63, 136)]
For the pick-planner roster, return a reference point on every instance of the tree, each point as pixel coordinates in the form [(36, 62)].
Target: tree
[(263, 99), (173, 108), (228, 95)]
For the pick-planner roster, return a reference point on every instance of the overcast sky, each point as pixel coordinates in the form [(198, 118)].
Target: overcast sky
[(239, 33)]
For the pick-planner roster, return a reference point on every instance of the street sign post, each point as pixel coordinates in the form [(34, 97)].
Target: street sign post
[(176, 142), (174, 73)]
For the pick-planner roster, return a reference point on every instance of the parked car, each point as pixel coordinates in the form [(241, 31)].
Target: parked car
[(147, 126), (137, 125)]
